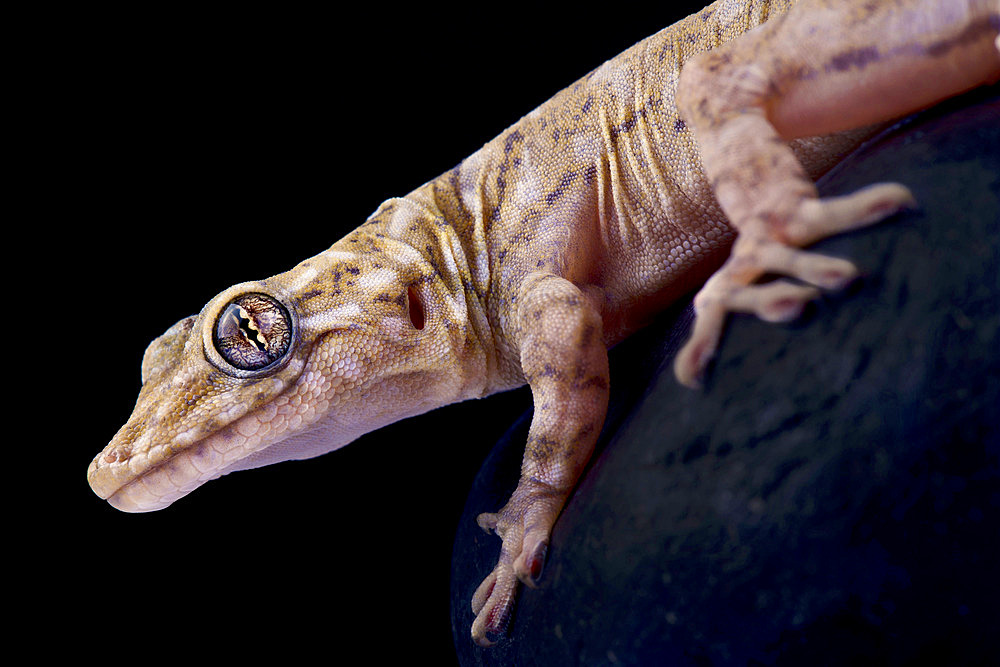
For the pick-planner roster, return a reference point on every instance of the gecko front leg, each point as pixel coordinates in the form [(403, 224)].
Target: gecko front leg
[(825, 66), (564, 360)]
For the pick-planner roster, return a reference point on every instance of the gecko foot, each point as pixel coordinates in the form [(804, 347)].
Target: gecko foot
[(524, 524), (772, 248)]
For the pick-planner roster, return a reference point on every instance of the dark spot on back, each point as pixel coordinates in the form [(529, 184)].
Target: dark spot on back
[(566, 181), (853, 59), (624, 126), (512, 138)]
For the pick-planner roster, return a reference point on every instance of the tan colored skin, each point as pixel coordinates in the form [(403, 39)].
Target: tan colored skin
[(555, 240)]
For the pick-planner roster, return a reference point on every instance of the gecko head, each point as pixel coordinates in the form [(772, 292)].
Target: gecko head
[(287, 368), (205, 382)]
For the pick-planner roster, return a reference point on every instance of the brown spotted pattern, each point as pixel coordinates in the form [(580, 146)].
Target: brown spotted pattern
[(555, 240)]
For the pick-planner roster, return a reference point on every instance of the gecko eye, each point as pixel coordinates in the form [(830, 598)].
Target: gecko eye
[(252, 331)]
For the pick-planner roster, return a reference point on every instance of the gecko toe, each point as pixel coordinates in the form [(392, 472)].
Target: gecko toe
[(778, 301), (699, 350), (820, 218), (531, 563), (536, 563), (483, 592), (493, 603), (488, 521)]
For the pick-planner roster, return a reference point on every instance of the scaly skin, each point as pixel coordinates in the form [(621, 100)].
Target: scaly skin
[(555, 240)]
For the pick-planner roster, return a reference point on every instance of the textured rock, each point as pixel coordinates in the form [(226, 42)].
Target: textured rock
[(832, 496)]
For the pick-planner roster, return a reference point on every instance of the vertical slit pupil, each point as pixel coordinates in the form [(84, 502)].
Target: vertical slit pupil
[(246, 326), (415, 308)]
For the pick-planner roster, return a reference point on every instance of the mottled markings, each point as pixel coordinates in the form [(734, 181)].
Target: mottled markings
[(432, 259), (512, 139), (385, 297), (630, 123), (524, 240), (542, 447), (853, 59), (311, 294), (510, 161), (560, 190), (549, 371), (666, 49), (501, 187)]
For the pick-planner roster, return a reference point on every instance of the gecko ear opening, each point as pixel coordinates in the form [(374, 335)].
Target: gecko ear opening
[(415, 308)]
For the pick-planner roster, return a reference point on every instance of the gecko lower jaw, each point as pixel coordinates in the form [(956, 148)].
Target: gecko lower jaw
[(170, 480), (132, 487)]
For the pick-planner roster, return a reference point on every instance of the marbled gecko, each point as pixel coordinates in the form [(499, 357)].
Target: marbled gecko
[(558, 238)]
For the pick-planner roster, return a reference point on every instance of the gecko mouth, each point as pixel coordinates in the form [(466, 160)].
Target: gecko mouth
[(168, 481), (155, 476)]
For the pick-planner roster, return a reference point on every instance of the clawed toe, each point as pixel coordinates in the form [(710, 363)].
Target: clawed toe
[(492, 603), (529, 564), (525, 525), (483, 592)]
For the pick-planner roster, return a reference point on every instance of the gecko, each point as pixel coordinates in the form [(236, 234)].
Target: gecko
[(684, 164)]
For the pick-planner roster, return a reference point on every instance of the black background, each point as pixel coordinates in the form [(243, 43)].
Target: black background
[(177, 152)]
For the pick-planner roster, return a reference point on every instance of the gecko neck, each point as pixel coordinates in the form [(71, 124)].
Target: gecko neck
[(439, 248)]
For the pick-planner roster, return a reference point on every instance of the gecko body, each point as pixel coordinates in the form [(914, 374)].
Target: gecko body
[(557, 239)]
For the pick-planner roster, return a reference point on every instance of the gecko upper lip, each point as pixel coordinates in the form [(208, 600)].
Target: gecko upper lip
[(101, 477), (162, 479), (151, 475)]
